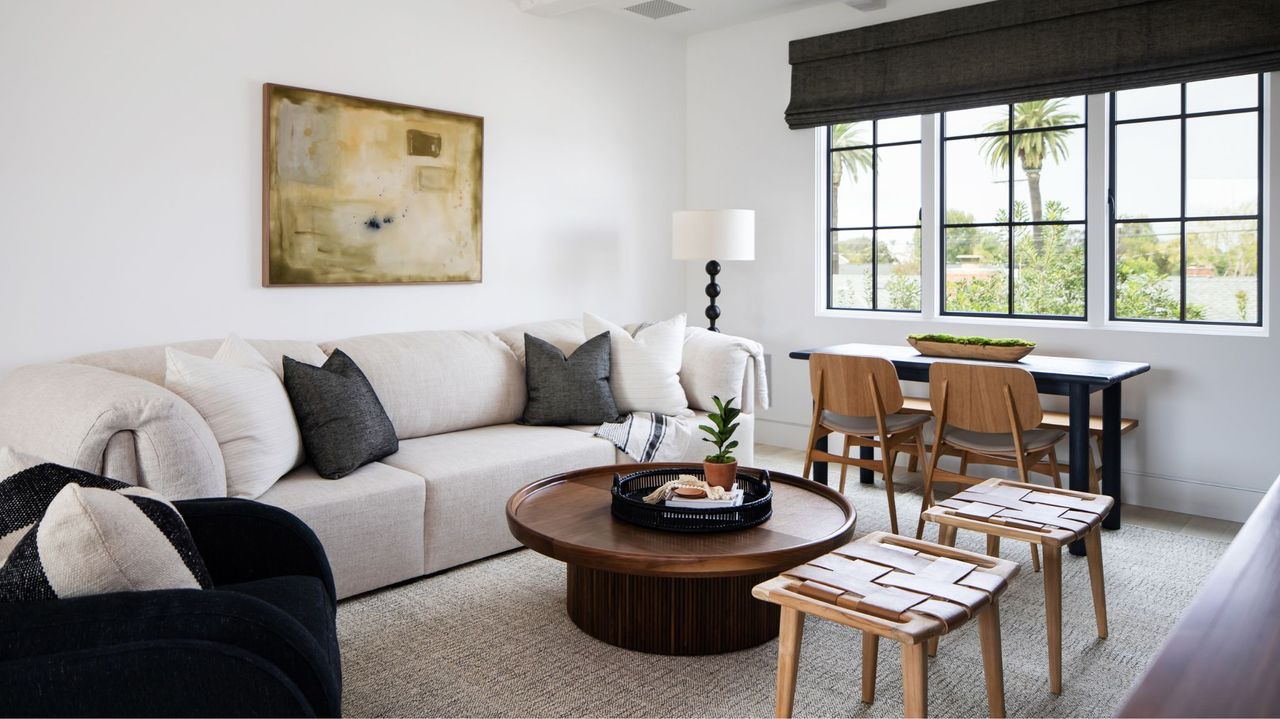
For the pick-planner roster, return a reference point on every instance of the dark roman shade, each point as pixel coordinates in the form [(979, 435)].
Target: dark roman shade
[(1016, 50)]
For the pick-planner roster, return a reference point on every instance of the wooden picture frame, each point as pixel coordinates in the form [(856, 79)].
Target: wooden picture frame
[(358, 191)]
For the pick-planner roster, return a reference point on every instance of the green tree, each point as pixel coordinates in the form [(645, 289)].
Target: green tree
[(1032, 148), (848, 162)]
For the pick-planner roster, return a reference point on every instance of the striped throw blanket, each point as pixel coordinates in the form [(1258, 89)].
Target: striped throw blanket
[(649, 437)]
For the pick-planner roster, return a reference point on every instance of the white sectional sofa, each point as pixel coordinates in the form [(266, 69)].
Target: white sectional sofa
[(453, 397)]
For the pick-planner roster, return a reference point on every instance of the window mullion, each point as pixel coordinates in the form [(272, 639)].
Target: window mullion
[(930, 219)]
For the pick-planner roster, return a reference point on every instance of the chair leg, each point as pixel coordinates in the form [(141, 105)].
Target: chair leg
[(870, 655), (927, 500), (1024, 477), (992, 657), (808, 450), (928, 481), (964, 463), (1053, 466), (913, 464), (790, 634), (1053, 613), (1095, 471), (993, 545), (915, 681), (1093, 547), (844, 467), (886, 462)]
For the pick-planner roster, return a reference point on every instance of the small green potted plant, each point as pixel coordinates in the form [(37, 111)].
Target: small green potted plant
[(721, 468)]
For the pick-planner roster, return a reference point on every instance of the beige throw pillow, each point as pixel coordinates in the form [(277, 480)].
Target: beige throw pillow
[(239, 395), (645, 373)]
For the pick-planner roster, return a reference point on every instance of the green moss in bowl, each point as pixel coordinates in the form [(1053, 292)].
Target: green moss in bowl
[(982, 341)]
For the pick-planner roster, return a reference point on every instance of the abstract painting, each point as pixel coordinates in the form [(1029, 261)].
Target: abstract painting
[(359, 191)]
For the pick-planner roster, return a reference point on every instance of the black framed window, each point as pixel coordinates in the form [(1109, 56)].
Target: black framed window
[(873, 222), (1013, 210), (1186, 202)]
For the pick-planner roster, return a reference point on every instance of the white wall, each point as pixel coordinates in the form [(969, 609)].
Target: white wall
[(1208, 407), (130, 164)]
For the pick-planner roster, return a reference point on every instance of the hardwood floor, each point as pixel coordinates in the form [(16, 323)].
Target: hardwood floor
[(904, 482)]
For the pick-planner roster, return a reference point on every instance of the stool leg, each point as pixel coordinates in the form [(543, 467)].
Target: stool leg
[(870, 654), (1035, 558), (1093, 547), (1053, 613), (992, 658), (993, 545), (790, 633), (915, 681), (946, 535)]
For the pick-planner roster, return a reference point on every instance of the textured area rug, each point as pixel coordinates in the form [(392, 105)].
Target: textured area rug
[(492, 639)]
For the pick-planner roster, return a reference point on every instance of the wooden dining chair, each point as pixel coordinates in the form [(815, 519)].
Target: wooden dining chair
[(988, 414), (859, 397)]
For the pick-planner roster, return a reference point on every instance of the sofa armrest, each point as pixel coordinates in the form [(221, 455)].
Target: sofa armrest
[(239, 638), (241, 541), (76, 414), (725, 366)]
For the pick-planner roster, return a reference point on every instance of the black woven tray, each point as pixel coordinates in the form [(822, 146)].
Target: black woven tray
[(630, 489)]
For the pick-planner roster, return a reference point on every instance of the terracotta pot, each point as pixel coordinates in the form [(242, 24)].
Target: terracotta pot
[(720, 475)]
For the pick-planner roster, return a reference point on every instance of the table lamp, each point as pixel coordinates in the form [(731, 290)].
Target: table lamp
[(713, 235)]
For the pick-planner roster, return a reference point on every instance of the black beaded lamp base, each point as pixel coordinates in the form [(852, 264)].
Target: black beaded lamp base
[(713, 291)]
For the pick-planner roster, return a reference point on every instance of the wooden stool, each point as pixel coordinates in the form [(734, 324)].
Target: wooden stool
[(902, 589), (1045, 516)]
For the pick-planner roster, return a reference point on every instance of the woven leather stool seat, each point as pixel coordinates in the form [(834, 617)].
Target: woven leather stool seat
[(1043, 516), (1026, 506), (902, 589)]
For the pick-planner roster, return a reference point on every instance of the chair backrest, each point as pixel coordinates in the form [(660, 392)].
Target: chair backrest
[(845, 384), (975, 396)]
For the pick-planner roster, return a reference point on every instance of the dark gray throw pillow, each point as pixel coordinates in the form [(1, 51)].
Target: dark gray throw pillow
[(343, 424), (568, 390)]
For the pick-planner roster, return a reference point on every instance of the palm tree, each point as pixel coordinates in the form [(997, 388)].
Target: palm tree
[(1031, 147), (853, 162)]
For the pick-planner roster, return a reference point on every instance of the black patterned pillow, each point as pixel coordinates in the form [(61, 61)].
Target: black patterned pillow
[(69, 533)]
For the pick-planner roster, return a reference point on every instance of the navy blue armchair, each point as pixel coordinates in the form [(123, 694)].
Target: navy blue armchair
[(262, 642)]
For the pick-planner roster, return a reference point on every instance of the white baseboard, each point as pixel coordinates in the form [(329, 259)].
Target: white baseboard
[(1174, 494)]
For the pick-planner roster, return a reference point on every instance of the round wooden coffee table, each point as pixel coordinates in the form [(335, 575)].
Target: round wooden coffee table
[(671, 592)]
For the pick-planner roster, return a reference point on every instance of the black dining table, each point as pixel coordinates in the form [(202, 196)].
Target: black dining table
[(1073, 377)]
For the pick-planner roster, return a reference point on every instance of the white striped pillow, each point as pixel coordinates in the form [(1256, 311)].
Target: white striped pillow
[(67, 533), (645, 372)]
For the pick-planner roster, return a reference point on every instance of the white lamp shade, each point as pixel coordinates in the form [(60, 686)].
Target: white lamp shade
[(713, 235)]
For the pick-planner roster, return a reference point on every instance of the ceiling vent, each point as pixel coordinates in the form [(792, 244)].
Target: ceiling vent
[(656, 9)]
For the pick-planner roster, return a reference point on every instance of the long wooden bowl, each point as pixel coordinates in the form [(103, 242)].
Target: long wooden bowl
[(979, 352)]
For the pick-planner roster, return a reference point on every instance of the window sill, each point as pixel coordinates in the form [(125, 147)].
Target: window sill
[(996, 323)]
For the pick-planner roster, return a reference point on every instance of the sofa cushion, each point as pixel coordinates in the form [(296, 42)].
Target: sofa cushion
[(433, 382), (344, 426), (566, 335), (247, 409), (149, 362), (370, 522), (645, 376), (90, 535), (568, 389), (471, 474)]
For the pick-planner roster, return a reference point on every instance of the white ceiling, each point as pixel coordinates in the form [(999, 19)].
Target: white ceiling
[(704, 15)]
